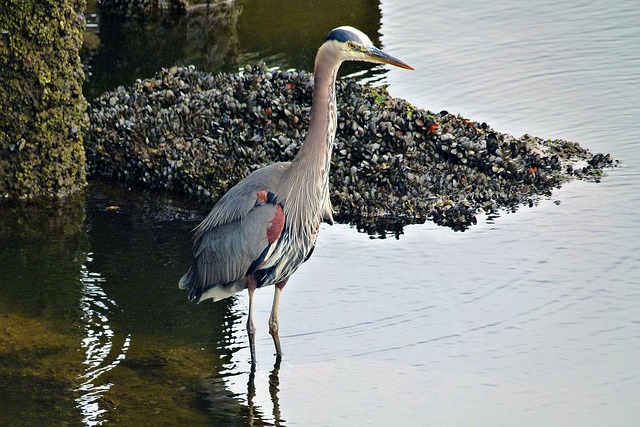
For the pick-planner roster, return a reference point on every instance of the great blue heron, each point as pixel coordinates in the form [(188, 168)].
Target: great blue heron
[(264, 227)]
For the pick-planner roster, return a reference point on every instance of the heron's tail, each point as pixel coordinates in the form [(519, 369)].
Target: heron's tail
[(188, 281), (198, 293)]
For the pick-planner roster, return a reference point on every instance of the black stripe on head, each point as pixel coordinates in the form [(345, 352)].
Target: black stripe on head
[(341, 35)]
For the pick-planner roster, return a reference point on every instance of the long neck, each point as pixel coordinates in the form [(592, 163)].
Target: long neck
[(308, 185), (316, 150)]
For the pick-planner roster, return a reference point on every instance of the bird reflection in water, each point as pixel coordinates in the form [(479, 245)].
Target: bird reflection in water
[(239, 390), (274, 384), (227, 398)]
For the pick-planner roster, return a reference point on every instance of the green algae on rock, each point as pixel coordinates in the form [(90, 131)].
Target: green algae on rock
[(42, 111), (198, 134)]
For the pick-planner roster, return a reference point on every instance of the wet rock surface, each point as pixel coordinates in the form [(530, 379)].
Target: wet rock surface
[(42, 109), (199, 134)]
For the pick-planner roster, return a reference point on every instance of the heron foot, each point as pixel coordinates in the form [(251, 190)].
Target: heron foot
[(273, 330), (274, 324), (251, 329), (251, 333)]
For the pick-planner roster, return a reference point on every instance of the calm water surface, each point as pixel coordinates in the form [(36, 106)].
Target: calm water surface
[(527, 319)]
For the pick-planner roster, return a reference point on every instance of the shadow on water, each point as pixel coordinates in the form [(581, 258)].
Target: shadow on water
[(224, 37), (41, 255), (93, 328)]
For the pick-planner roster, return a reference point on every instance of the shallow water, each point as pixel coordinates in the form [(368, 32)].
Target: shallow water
[(529, 318)]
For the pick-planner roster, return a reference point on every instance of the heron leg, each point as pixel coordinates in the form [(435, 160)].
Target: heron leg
[(251, 329), (274, 324)]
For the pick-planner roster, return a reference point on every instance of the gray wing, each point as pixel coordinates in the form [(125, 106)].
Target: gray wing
[(233, 236), (239, 200), (225, 253)]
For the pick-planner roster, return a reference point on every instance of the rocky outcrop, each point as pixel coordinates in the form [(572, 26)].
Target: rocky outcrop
[(42, 110), (198, 134)]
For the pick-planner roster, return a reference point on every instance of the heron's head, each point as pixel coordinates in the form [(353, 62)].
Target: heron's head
[(351, 44)]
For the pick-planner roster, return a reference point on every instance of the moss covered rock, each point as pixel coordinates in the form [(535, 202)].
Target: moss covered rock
[(42, 109)]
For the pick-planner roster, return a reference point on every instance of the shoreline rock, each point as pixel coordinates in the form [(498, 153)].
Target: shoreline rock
[(42, 108), (198, 134)]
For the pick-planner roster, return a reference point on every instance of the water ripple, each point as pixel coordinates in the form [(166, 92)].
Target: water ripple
[(103, 352)]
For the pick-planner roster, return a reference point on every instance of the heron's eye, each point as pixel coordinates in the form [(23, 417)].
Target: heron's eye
[(351, 45)]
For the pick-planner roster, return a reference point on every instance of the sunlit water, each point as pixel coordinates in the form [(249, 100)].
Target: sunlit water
[(527, 319), (501, 325), (103, 348)]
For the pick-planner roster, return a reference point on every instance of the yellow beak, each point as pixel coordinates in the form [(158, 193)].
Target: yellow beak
[(377, 55)]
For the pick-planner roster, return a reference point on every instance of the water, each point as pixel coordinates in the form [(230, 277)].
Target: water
[(530, 318)]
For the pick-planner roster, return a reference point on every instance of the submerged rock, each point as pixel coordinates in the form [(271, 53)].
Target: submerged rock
[(192, 132)]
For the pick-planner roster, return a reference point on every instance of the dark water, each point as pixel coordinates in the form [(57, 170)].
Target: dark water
[(530, 318), (226, 37)]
